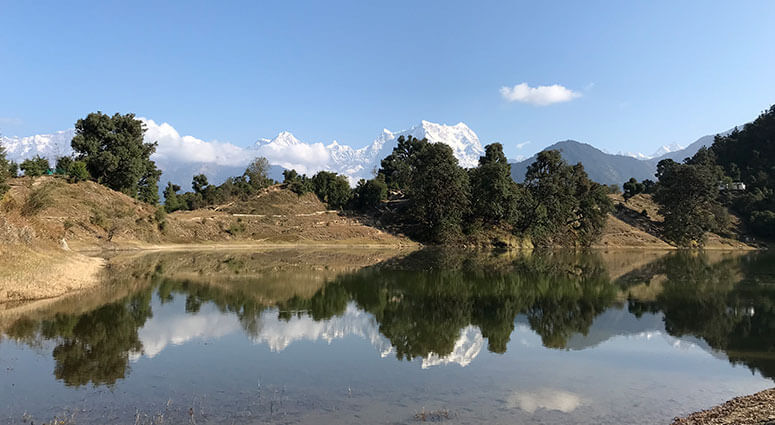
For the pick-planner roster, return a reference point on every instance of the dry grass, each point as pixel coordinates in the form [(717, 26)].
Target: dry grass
[(27, 274)]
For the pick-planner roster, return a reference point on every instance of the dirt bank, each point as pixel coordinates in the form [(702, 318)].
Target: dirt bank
[(32, 274), (756, 409)]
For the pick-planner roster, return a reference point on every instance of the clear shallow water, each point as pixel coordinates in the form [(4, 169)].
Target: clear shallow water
[(337, 337)]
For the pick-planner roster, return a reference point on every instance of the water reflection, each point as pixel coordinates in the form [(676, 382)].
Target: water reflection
[(435, 305)]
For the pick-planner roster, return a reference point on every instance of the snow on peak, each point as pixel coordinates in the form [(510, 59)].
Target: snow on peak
[(663, 150), (50, 146), (463, 141), (181, 156)]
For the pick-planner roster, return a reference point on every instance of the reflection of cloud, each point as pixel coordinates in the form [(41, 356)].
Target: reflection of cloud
[(279, 334), (178, 329), (467, 347), (548, 399)]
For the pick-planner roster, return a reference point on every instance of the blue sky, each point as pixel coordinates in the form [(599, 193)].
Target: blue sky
[(640, 74)]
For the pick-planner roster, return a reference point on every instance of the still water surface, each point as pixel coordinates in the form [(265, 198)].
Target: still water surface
[(316, 337)]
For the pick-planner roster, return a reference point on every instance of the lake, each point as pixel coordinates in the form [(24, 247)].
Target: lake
[(325, 336)]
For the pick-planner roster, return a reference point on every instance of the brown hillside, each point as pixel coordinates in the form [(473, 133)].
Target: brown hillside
[(629, 227), (84, 212), (275, 216)]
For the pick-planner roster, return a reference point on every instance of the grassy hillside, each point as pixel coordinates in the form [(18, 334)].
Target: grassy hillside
[(48, 210), (636, 223)]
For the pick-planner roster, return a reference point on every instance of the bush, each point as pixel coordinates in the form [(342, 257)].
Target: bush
[(763, 223), (236, 228), (99, 219), (38, 200), (160, 215), (63, 165), (368, 194), (78, 172), (35, 167), (332, 189)]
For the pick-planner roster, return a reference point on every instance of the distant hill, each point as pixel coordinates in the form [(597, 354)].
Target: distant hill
[(609, 168), (602, 167)]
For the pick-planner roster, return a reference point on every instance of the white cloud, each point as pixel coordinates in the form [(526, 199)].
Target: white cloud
[(541, 95), (186, 149), (522, 145), (285, 150)]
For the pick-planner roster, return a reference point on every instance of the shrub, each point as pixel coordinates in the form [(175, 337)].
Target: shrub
[(368, 194), (78, 172), (38, 200), (36, 166), (63, 165), (235, 229), (160, 215), (99, 219)]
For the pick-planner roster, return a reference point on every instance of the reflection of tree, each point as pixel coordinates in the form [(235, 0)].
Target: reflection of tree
[(725, 303), (424, 300), (95, 347)]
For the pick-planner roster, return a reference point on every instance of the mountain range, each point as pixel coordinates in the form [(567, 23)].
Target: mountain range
[(181, 157), (609, 168)]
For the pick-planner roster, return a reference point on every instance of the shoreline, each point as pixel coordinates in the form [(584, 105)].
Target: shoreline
[(754, 409), (48, 273)]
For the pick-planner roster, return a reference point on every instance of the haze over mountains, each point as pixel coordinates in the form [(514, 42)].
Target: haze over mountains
[(181, 157)]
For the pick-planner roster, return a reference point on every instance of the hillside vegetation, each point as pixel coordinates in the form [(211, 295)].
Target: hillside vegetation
[(85, 215)]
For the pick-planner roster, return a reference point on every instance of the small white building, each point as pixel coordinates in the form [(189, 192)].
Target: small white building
[(740, 186)]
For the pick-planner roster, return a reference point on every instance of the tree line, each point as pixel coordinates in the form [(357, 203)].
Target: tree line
[(695, 195), (557, 205)]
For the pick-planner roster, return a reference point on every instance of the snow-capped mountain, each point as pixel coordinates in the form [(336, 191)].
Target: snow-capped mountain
[(181, 157), (287, 151), (48, 146), (666, 149), (663, 150)]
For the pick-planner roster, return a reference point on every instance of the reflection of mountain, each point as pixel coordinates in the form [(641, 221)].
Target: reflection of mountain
[(438, 306)]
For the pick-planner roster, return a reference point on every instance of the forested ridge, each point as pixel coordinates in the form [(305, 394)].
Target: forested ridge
[(421, 190)]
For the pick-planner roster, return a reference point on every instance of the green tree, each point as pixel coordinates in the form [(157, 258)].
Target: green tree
[(199, 183), (494, 194), (171, 201), (257, 173), (593, 207), (115, 154), (397, 168), (299, 184), (331, 188), (687, 195), (565, 207), (290, 176), (632, 187), (5, 172), (369, 193), (36, 166), (439, 192), (13, 169), (63, 164), (747, 155), (78, 172)]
